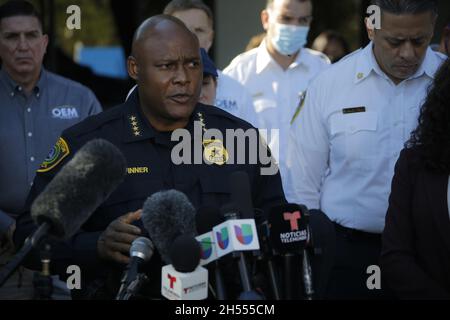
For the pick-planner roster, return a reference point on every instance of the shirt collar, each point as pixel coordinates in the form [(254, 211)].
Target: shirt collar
[(367, 64), (264, 59), (430, 65), (138, 128), (13, 87)]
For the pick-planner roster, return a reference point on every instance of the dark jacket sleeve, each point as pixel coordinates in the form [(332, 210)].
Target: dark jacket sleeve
[(80, 250), (399, 267)]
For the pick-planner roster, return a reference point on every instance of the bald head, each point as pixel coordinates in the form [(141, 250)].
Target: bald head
[(166, 64), (159, 28)]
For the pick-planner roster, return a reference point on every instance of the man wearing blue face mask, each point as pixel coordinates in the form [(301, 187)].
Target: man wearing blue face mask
[(278, 72)]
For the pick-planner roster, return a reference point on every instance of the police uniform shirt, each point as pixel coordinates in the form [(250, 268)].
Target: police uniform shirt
[(29, 127), (150, 169), (276, 93), (348, 137)]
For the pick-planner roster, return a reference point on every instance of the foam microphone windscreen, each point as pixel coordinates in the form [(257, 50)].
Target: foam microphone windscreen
[(288, 228), (241, 193), (167, 215), (79, 188), (185, 253)]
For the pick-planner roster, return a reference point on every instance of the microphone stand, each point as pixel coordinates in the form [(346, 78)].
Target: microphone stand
[(263, 231), (248, 293), (42, 282), (307, 276), (288, 281), (220, 286), (134, 287), (30, 243)]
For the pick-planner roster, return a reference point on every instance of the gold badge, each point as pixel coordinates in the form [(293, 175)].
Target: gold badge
[(215, 152), (59, 152)]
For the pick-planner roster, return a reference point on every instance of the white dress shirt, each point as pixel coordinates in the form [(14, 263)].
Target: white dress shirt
[(276, 92), (346, 141), (233, 97)]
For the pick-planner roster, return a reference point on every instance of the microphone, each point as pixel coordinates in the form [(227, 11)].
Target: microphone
[(267, 251), (207, 218), (167, 215), (241, 193), (184, 279), (81, 186), (289, 234), (140, 252), (237, 236), (245, 230), (76, 191)]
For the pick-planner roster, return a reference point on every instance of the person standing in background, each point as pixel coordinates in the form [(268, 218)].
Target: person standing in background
[(444, 46), (231, 96), (35, 107), (209, 84), (415, 258), (279, 71), (332, 44), (357, 116)]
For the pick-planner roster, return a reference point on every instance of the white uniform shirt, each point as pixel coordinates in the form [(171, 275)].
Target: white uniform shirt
[(346, 141), (276, 92), (234, 98)]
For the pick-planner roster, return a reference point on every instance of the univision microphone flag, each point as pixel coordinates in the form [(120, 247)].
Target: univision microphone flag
[(235, 235), (208, 246)]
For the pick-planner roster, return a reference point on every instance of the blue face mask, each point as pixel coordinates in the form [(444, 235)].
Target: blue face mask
[(289, 39)]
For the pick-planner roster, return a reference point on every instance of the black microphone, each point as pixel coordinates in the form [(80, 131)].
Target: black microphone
[(140, 252), (289, 235), (241, 194), (231, 213), (184, 279), (167, 215), (322, 245), (207, 218), (185, 253), (267, 252), (76, 191)]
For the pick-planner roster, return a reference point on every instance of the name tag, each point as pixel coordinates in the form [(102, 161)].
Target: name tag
[(354, 110), (138, 170)]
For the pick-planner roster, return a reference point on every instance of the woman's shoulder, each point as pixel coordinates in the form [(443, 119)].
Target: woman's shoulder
[(412, 157)]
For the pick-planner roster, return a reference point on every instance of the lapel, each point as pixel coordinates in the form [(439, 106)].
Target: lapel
[(435, 186)]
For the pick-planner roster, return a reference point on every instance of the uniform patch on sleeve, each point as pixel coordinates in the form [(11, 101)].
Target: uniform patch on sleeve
[(58, 153)]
